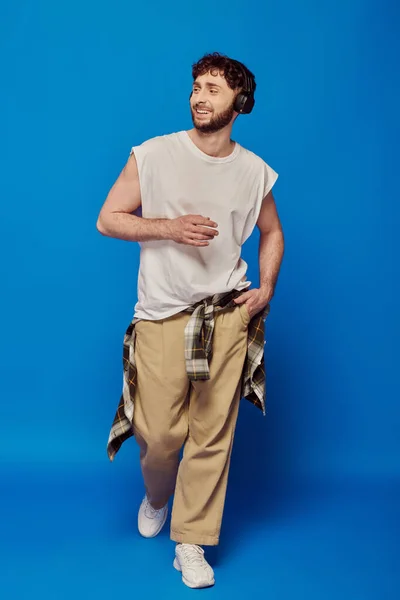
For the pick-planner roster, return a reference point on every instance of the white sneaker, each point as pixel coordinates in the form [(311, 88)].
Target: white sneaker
[(196, 572), (151, 520)]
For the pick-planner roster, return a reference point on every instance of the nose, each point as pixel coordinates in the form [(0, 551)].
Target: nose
[(201, 97)]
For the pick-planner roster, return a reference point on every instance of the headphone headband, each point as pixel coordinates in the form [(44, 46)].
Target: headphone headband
[(244, 101), (248, 82)]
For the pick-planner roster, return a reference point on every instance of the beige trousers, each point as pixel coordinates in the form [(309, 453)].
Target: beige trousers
[(171, 411)]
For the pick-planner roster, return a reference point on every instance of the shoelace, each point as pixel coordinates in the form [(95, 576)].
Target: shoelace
[(151, 512), (193, 554)]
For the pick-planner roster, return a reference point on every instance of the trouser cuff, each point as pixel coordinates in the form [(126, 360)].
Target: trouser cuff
[(194, 538)]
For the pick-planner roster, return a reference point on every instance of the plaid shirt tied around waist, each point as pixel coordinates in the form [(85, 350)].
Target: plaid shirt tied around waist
[(198, 352)]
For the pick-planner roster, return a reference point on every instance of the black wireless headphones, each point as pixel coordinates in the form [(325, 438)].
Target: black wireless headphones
[(244, 102)]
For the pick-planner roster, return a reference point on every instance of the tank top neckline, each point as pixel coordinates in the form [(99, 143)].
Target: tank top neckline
[(187, 140)]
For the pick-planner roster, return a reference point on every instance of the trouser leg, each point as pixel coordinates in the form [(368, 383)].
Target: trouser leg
[(213, 408), (160, 418)]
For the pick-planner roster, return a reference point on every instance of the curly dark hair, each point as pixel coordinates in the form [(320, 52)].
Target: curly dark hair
[(222, 64)]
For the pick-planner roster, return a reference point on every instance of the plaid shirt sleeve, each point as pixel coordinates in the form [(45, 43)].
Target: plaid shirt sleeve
[(198, 353)]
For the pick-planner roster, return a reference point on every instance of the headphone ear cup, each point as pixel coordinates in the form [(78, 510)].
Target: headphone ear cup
[(250, 102), (244, 103), (240, 101)]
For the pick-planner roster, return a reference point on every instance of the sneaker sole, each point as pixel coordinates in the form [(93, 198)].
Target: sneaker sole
[(158, 530), (177, 566)]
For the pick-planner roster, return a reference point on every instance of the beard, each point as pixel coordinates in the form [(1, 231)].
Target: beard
[(216, 123)]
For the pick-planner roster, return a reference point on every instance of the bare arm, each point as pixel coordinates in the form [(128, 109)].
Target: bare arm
[(271, 245), (115, 218), (270, 257)]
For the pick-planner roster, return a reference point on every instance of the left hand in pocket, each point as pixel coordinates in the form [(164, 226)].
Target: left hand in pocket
[(255, 299)]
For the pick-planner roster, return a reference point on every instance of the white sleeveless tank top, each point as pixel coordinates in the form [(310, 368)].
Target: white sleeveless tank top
[(177, 178)]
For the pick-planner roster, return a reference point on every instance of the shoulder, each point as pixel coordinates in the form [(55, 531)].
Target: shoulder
[(260, 166), (153, 151), (253, 158), (155, 144)]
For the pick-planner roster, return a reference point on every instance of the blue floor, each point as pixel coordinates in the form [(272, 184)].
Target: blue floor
[(71, 533)]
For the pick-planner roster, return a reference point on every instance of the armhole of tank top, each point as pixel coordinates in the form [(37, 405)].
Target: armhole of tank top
[(139, 153), (271, 177)]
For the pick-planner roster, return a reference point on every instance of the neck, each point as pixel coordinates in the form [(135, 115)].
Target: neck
[(218, 144)]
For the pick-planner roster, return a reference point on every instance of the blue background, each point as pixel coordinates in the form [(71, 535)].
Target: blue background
[(313, 499)]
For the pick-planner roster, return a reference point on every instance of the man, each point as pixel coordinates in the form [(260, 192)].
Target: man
[(196, 342)]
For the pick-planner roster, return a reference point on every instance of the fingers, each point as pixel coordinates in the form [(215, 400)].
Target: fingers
[(200, 233), (242, 298), (200, 236), (206, 231), (191, 242), (200, 220), (199, 230)]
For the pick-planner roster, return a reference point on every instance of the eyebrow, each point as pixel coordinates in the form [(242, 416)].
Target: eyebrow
[(207, 84)]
